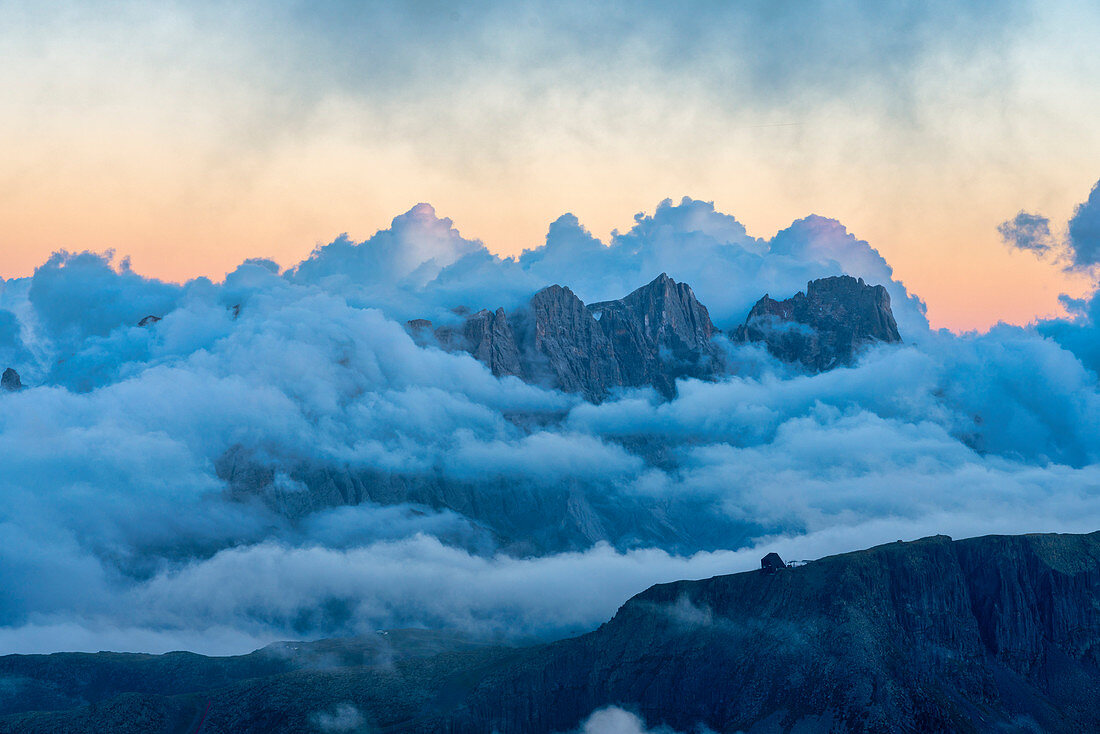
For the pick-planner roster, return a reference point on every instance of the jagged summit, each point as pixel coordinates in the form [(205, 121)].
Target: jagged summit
[(660, 333), (486, 335), (824, 327), (663, 331), (566, 347), (651, 337)]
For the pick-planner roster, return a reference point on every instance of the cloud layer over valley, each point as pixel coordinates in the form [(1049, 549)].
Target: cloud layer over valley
[(276, 456)]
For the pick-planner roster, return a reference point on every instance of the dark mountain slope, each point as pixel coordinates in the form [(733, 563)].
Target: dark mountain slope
[(974, 635), (1000, 633), (402, 679)]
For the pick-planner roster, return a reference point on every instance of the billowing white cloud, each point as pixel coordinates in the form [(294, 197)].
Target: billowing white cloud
[(692, 242), (277, 458)]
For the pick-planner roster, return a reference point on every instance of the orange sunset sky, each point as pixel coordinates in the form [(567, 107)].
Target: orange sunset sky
[(189, 136)]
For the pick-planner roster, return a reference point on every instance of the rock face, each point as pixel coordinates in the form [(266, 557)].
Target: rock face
[(992, 634), (659, 332), (651, 337), (10, 381), (824, 327), (566, 347), (487, 336)]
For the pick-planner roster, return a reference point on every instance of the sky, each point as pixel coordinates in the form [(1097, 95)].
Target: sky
[(189, 136)]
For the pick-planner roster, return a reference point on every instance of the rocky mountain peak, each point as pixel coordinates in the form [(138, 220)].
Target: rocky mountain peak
[(490, 339), (824, 327), (660, 333), (10, 381), (672, 315), (651, 337), (566, 346)]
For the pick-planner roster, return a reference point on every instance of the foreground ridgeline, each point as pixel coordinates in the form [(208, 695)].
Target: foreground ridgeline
[(661, 332), (992, 634)]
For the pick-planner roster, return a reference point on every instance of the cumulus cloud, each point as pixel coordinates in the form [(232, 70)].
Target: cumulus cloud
[(1080, 333), (12, 348), (1077, 249), (1084, 230), (411, 252), (276, 457), (728, 269), (80, 295), (1028, 232)]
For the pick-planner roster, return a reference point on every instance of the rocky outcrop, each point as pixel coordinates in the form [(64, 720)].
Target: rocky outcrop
[(992, 634), (10, 381), (653, 336), (419, 327), (824, 327), (660, 332), (566, 347), (488, 337)]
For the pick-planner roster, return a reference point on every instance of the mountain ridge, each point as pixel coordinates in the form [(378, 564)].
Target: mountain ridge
[(933, 635), (660, 333), (978, 635)]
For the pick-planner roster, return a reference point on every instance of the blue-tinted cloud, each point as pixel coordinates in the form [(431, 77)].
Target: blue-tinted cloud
[(775, 53), (80, 295), (1080, 333), (1084, 230), (728, 269), (276, 457), (1078, 249), (615, 720), (1028, 232)]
